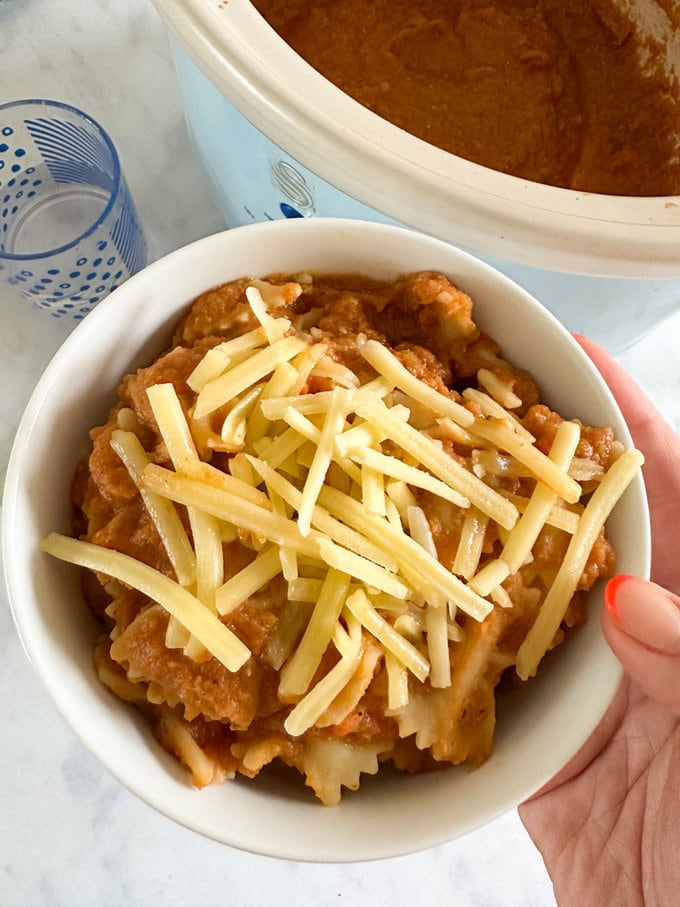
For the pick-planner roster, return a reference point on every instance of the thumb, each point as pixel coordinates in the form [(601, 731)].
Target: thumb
[(641, 622)]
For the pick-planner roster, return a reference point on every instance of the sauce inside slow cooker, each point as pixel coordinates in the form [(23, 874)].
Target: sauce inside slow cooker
[(553, 91)]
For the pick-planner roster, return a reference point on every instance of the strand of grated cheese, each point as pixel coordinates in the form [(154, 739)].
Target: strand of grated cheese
[(172, 424), (220, 357), (230, 384), (359, 604), (235, 425), (322, 520), (420, 568), (373, 489), (317, 404), (282, 379), (444, 467), (397, 683), (523, 536), (297, 673), (507, 437), (338, 409), (288, 557), (489, 577), (391, 466), (277, 451), (363, 569), (386, 363), (470, 545), (207, 540), (162, 511), (559, 516), (274, 328), (249, 580), (315, 703), (205, 531), (553, 609), (498, 389), (202, 623), (495, 410), (436, 621)]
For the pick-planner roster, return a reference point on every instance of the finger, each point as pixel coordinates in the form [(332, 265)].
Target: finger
[(641, 622)]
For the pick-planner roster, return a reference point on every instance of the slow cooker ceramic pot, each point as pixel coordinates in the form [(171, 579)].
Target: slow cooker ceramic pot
[(278, 140)]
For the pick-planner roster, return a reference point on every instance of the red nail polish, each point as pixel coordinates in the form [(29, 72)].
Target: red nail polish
[(611, 591), (645, 612)]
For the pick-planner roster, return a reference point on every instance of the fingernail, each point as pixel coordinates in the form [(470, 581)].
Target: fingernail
[(646, 612)]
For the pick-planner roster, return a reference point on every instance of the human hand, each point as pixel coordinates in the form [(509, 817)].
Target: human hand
[(608, 825)]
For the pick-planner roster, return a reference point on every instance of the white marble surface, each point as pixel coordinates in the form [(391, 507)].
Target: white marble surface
[(69, 834)]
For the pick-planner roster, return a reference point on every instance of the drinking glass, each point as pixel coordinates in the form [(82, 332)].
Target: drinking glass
[(69, 231)]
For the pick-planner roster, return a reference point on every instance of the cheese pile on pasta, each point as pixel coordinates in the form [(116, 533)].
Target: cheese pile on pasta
[(325, 525)]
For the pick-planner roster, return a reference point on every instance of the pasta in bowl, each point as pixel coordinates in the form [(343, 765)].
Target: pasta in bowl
[(342, 465)]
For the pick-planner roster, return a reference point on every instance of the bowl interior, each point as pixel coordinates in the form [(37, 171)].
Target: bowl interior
[(539, 728)]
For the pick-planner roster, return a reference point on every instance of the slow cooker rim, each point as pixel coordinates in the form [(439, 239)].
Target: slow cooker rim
[(244, 58)]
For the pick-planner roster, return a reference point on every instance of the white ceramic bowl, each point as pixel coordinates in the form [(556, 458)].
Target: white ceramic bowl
[(539, 729)]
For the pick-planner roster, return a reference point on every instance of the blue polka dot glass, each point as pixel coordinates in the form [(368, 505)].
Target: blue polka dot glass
[(69, 232)]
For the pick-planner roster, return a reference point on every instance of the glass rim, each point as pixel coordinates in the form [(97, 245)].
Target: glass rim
[(114, 194)]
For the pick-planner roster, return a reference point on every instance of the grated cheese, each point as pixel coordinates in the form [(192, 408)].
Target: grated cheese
[(162, 511), (325, 489), (231, 383), (177, 601), (597, 510)]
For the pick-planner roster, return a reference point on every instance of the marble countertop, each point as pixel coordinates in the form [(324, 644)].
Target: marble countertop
[(70, 835)]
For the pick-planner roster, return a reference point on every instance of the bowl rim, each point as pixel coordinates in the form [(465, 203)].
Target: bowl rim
[(180, 807), (409, 180)]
